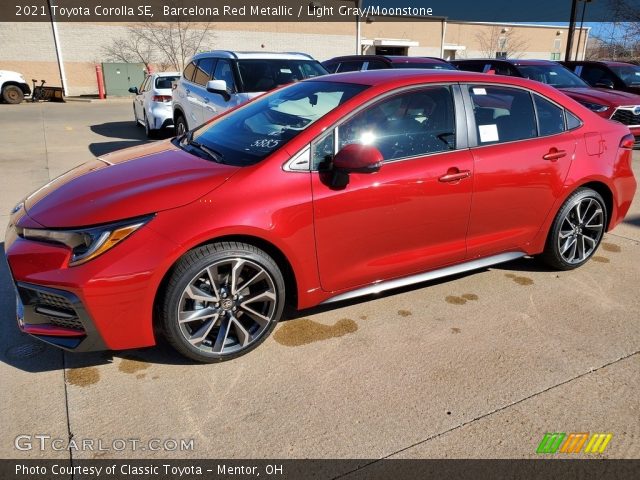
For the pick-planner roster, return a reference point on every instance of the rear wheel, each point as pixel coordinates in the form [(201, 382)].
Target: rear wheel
[(150, 132), (222, 301), (577, 230), (135, 117), (12, 94)]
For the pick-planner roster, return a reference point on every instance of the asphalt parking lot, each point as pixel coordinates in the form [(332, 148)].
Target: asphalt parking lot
[(478, 366)]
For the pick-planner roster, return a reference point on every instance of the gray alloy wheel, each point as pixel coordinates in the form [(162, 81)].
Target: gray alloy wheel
[(222, 301), (577, 230)]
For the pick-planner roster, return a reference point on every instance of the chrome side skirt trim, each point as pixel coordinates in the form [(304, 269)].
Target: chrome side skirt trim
[(426, 276)]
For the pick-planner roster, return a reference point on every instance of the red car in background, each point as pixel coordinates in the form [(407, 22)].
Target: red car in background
[(623, 107), (324, 190)]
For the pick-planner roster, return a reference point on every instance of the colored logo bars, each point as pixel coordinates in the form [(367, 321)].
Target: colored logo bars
[(573, 443)]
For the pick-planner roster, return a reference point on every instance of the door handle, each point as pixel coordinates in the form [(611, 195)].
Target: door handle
[(554, 154), (206, 100), (455, 175)]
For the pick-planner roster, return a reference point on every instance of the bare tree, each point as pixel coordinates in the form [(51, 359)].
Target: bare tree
[(168, 45), (501, 41)]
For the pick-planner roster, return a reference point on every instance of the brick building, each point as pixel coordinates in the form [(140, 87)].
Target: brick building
[(29, 47)]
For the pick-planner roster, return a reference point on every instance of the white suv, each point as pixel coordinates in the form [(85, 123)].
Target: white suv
[(215, 81)]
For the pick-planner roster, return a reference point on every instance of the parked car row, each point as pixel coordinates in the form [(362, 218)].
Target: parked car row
[(219, 80)]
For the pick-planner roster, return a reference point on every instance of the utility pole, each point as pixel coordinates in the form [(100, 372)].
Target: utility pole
[(572, 28)]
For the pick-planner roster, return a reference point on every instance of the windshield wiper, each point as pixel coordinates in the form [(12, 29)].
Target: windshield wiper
[(210, 153)]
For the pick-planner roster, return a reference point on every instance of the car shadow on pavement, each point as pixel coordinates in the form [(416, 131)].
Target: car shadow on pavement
[(635, 220), (127, 130), (102, 148), (127, 135)]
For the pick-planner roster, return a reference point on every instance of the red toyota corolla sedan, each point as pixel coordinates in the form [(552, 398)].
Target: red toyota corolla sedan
[(324, 190)]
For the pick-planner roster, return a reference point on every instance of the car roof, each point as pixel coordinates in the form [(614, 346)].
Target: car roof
[(165, 74), (602, 62), (418, 75), (512, 61), (237, 55), (389, 58)]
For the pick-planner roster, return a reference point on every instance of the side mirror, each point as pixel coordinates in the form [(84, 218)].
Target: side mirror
[(354, 158), (219, 87), (133, 90), (607, 83)]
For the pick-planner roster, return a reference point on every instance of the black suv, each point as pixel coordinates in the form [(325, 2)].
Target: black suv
[(355, 63), (614, 75)]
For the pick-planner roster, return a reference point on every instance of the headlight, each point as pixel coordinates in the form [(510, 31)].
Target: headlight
[(595, 107), (87, 244), (17, 208)]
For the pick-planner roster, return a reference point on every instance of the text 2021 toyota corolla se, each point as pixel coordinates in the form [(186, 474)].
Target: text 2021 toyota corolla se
[(321, 191)]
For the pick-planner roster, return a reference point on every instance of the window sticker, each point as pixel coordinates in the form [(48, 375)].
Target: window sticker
[(479, 91), (488, 133)]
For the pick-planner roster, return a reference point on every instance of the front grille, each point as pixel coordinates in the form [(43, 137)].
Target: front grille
[(53, 300), (626, 116), (51, 308)]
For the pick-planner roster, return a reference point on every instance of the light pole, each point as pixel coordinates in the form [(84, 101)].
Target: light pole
[(584, 9), (572, 28)]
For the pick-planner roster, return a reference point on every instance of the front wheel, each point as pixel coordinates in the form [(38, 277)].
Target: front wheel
[(576, 231), (181, 126), (221, 301), (12, 94)]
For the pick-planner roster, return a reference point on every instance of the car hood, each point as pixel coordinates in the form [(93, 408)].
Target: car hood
[(125, 184), (613, 98)]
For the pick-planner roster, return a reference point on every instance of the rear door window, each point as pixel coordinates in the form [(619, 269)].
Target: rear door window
[(502, 114)]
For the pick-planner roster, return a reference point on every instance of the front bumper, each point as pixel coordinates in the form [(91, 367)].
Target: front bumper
[(56, 317), (104, 304)]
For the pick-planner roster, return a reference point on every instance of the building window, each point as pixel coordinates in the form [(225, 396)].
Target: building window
[(555, 56)]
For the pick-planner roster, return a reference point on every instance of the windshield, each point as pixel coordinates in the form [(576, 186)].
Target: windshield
[(166, 82), (553, 75), (629, 74), (428, 66), (249, 134), (267, 74)]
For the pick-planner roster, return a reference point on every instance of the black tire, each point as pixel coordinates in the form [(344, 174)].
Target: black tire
[(181, 125), (12, 94), (194, 265), (566, 219), (149, 132), (135, 117)]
